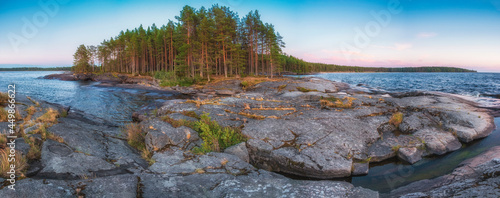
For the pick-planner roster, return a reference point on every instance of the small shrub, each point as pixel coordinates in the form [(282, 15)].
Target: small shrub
[(281, 87), (244, 84), (20, 162), (215, 137), (64, 113), (396, 119)]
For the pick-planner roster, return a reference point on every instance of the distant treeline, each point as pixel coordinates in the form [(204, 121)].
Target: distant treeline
[(301, 67), (36, 69)]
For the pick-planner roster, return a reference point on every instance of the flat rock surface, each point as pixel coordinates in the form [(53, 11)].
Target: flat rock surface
[(310, 127)]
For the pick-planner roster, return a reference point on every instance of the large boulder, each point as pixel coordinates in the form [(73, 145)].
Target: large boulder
[(161, 135), (60, 161)]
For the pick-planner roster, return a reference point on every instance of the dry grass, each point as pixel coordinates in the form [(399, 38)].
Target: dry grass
[(396, 119), (281, 87), (4, 98), (30, 110), (190, 114), (135, 136), (20, 162), (249, 82), (49, 117), (177, 123), (252, 116), (275, 109), (333, 102), (199, 102), (3, 140), (302, 89), (3, 115)]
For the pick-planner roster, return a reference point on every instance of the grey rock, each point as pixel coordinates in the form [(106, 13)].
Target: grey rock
[(161, 135), (39, 188), (22, 146), (438, 142), (256, 184), (179, 162), (410, 155), (225, 92), (240, 150), (296, 133), (60, 161), (114, 186), (360, 168)]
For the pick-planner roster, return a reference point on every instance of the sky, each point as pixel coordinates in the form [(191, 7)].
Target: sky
[(389, 33)]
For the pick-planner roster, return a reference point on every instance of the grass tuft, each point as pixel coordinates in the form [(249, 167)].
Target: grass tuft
[(136, 138), (215, 137), (190, 114), (20, 163), (49, 117), (3, 115), (4, 98), (302, 89), (333, 102), (396, 119)]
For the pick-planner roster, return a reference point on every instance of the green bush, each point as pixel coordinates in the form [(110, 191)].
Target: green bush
[(215, 137), (169, 79)]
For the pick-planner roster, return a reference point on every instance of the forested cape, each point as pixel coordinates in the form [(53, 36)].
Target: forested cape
[(204, 42)]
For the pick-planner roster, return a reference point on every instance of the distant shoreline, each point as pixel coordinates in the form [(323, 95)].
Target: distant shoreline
[(36, 69)]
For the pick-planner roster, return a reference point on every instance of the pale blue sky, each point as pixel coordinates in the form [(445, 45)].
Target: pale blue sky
[(424, 33)]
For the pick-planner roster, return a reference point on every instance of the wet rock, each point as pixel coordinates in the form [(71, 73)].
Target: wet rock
[(67, 76), (438, 142), (360, 168), (476, 177), (239, 150), (410, 155), (161, 135)]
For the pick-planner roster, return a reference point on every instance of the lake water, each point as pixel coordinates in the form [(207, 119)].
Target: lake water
[(111, 103), (467, 84)]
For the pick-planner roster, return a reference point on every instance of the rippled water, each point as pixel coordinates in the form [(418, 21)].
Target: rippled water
[(111, 103), (468, 84)]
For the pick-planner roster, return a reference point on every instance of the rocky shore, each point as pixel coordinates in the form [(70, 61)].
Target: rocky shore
[(309, 127)]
